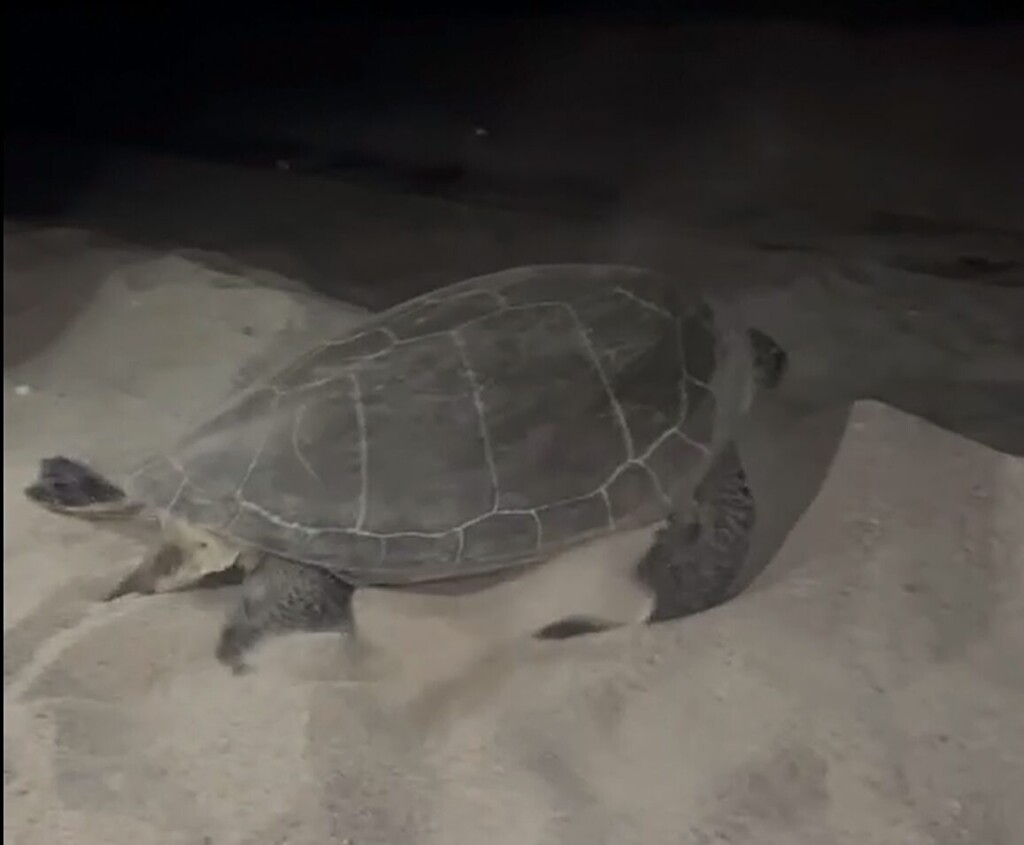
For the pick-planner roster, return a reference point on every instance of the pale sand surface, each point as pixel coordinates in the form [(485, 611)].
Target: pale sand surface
[(868, 687)]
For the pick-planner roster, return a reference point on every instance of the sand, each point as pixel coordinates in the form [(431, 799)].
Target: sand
[(867, 688)]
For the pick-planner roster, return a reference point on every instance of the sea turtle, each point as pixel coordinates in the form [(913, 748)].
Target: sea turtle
[(489, 425)]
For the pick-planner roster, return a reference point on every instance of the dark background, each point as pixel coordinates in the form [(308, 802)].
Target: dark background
[(583, 104)]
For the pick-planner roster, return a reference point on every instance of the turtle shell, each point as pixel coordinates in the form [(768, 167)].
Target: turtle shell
[(485, 425)]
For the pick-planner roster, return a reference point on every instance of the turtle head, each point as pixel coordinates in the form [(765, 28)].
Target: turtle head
[(188, 557), (926, 346), (770, 360)]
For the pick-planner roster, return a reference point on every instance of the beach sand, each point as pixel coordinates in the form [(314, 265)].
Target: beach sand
[(867, 688)]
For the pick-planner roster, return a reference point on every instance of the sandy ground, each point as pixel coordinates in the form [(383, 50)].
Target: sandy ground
[(867, 688)]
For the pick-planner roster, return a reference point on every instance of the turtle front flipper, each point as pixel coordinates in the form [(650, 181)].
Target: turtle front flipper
[(69, 486), (698, 558), (281, 597)]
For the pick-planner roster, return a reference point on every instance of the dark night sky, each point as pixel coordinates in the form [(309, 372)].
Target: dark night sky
[(141, 74), (401, 93)]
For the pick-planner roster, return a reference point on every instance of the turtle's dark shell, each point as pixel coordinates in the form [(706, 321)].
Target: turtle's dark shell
[(486, 425)]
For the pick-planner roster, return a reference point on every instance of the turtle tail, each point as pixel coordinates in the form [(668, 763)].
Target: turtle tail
[(68, 486), (770, 360)]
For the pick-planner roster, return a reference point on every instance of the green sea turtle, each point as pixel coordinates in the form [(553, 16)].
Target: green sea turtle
[(489, 425)]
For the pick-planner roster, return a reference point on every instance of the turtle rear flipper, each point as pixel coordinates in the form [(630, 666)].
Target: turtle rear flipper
[(278, 597), (68, 486)]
